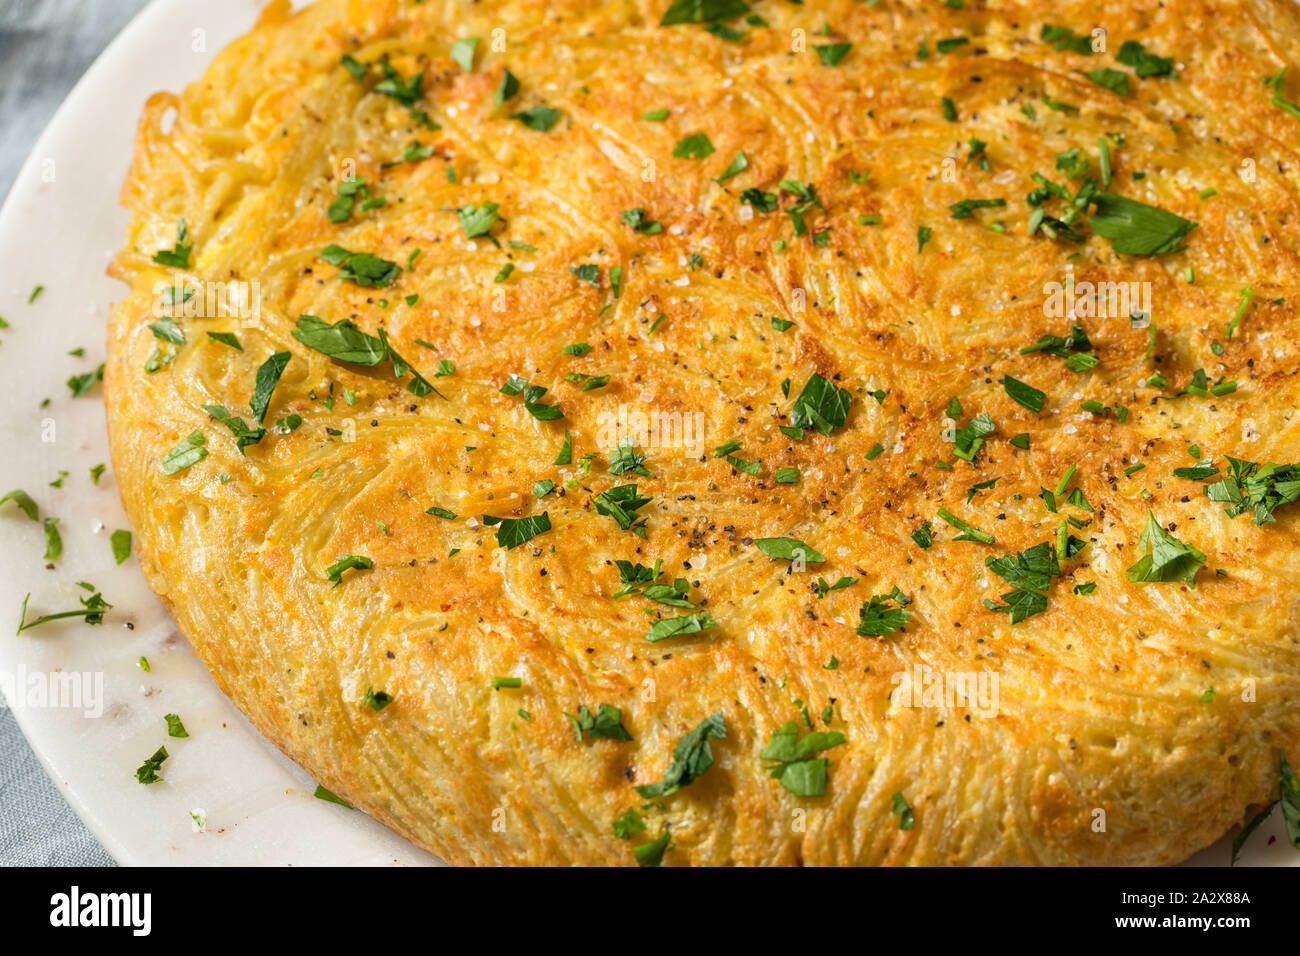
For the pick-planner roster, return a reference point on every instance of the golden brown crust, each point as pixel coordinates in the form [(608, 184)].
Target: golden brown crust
[(1099, 697)]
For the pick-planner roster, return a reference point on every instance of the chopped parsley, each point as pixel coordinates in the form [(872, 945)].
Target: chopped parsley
[(1247, 295), (92, 610), (226, 338), (788, 549), (883, 614), (512, 532), (187, 452), (1252, 487), (478, 220), (349, 192), (532, 395), (120, 541), (748, 467), (636, 218), (1144, 64), (1169, 559), (347, 562), (691, 757), (965, 208), (1202, 470), (177, 257), (53, 540), (268, 376), (702, 11), (968, 439), (621, 503), (628, 825), (1024, 395), (607, 722), (81, 384), (760, 201), (24, 502), (832, 53), (1114, 80), (1135, 228), (406, 92), (323, 794), (588, 272), (1030, 573), (1064, 38), (376, 700), (1076, 348), (652, 854), (148, 771), (462, 51), (798, 767), (694, 146), (737, 166), (821, 405), (344, 342), (506, 88), (565, 456), (1277, 85), (824, 587), (168, 331), (624, 460), (364, 269), (244, 435), (540, 118), (903, 810), (968, 532), (667, 627)]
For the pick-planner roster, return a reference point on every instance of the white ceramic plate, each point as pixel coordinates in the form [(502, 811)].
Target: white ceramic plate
[(59, 228)]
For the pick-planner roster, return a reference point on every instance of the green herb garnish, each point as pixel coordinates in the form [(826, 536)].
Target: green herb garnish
[(883, 614), (798, 767), (512, 532), (1169, 559), (691, 757), (607, 722), (347, 562)]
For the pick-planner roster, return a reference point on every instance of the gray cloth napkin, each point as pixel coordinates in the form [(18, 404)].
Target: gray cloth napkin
[(45, 46)]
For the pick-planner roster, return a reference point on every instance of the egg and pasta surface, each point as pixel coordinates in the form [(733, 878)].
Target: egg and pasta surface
[(707, 432)]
